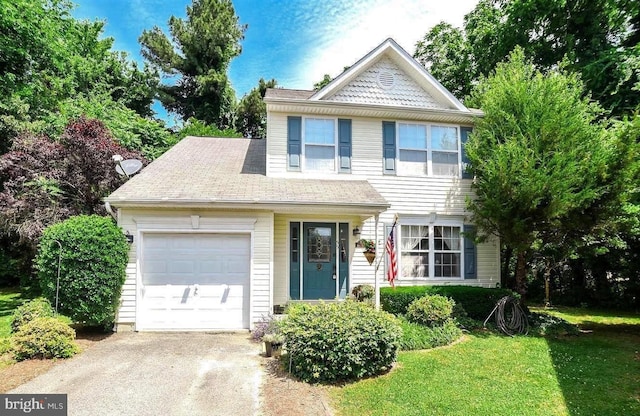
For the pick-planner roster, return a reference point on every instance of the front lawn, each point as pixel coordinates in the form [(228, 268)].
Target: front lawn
[(10, 299), (595, 373)]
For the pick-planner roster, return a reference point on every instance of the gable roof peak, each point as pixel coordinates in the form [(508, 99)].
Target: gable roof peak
[(405, 61)]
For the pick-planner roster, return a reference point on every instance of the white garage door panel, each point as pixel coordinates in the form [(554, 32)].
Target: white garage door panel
[(195, 281)]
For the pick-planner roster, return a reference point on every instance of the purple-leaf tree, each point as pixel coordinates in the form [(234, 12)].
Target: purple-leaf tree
[(45, 182)]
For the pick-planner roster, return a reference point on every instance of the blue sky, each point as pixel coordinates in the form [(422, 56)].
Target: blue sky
[(296, 41)]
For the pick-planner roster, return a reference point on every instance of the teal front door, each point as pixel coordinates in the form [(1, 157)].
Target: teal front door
[(319, 264)]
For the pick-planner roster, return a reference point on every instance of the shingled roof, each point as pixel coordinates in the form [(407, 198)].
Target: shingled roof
[(202, 170), (282, 93)]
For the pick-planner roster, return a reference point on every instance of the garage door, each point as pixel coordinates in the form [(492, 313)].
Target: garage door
[(194, 281)]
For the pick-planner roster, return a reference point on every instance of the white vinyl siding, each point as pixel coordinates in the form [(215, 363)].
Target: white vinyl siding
[(407, 195)]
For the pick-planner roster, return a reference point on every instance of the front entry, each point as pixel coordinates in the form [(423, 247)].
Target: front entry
[(319, 265), (318, 262)]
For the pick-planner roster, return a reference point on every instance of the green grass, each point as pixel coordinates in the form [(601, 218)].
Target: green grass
[(595, 373), (10, 299)]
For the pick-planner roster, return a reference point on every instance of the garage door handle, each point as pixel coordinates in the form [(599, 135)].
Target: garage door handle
[(195, 290)]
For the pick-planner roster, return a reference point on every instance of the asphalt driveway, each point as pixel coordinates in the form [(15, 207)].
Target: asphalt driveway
[(159, 374)]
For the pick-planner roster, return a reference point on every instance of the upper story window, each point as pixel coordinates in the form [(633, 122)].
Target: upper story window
[(319, 144), (427, 149)]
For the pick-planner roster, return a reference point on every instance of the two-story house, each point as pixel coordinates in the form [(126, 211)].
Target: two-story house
[(226, 229)]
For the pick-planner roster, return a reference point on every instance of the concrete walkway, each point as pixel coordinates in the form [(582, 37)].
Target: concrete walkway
[(159, 374)]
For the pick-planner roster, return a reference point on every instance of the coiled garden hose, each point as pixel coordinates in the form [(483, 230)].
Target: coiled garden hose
[(510, 318)]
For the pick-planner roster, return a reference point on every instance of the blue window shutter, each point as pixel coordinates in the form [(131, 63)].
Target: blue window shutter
[(294, 142), (389, 146), (470, 253), (464, 136), (344, 144)]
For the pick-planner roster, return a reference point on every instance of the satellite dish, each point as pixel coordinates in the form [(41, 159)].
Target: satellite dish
[(128, 167)]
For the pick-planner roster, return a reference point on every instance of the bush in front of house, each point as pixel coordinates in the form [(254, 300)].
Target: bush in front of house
[(430, 310), (332, 342), (27, 312), (92, 268), (44, 337), (478, 302), (420, 337)]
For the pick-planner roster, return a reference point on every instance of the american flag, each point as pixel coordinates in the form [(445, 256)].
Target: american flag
[(392, 265)]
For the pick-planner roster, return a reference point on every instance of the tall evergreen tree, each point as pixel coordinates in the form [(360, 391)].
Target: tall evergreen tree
[(251, 114), (195, 60), (546, 172)]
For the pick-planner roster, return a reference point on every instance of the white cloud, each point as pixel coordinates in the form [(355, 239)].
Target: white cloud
[(346, 32)]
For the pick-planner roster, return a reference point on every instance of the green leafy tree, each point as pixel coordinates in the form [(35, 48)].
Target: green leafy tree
[(598, 39), (321, 84), (545, 170), (198, 128), (444, 52), (47, 57), (45, 181), (251, 114), (197, 57), (128, 128)]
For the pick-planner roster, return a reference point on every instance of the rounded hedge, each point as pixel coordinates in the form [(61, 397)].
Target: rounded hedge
[(331, 342), (27, 312), (44, 338), (93, 260), (430, 310)]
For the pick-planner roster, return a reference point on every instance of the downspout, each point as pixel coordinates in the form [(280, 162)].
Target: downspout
[(107, 206)]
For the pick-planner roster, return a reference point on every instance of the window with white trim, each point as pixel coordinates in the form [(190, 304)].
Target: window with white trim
[(319, 144), (430, 251), (414, 246), (446, 251), (428, 149)]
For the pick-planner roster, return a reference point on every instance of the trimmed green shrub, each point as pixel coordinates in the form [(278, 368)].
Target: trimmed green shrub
[(478, 302), (430, 310), (331, 342), (36, 308), (44, 338), (420, 337), (92, 267), (364, 293)]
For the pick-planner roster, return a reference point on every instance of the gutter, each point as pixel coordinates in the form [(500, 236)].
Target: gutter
[(253, 205)]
